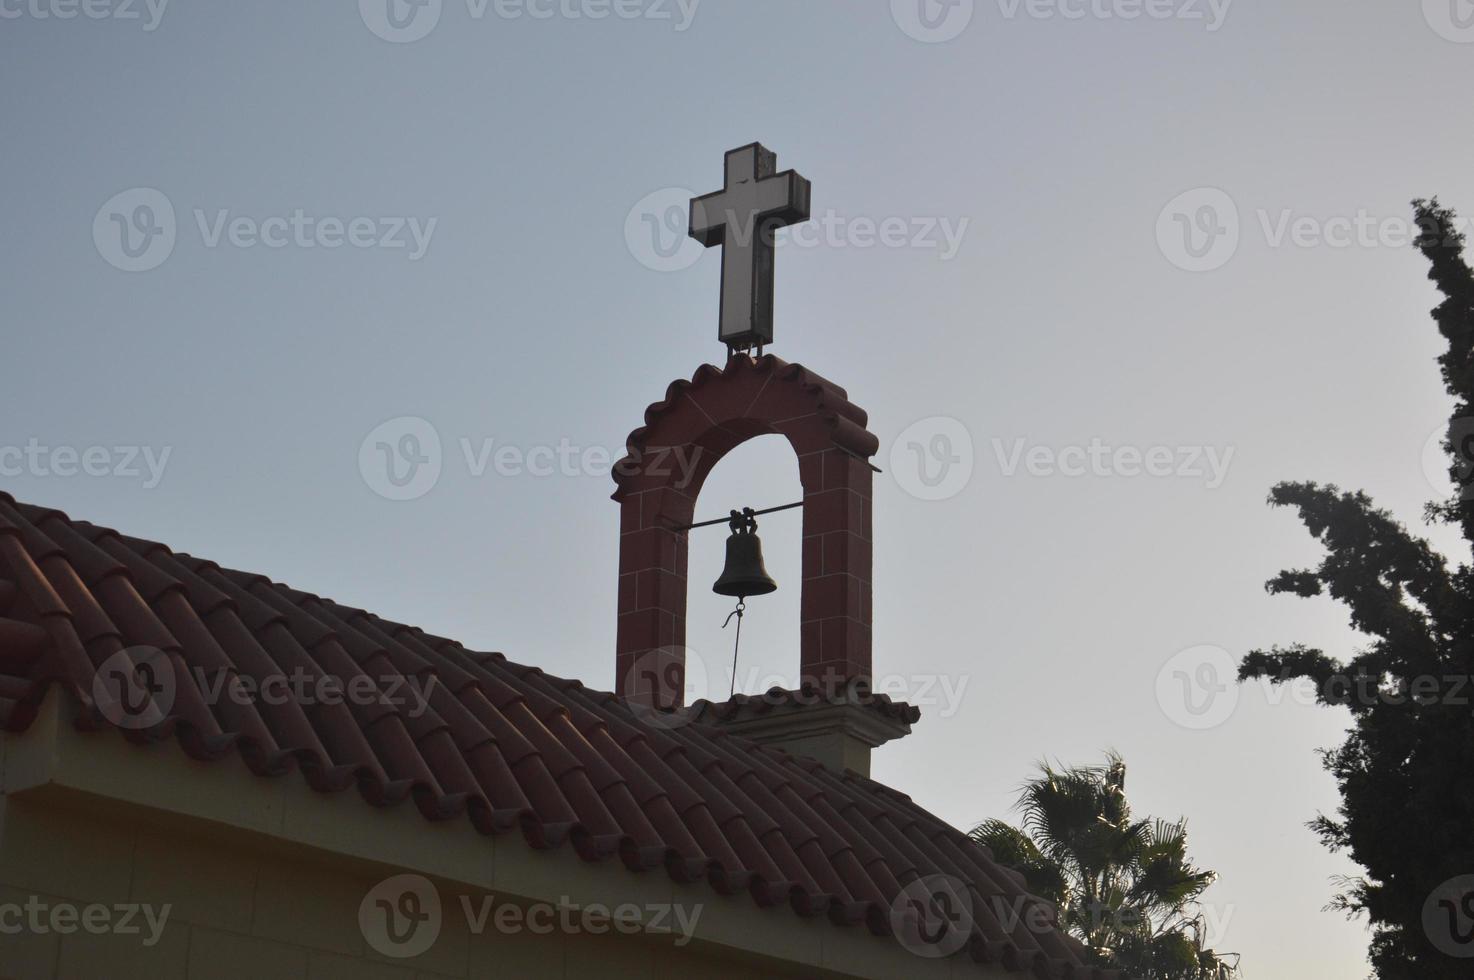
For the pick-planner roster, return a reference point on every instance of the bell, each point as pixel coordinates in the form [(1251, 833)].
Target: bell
[(744, 574)]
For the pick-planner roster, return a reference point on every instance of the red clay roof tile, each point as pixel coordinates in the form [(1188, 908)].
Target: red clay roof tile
[(506, 746)]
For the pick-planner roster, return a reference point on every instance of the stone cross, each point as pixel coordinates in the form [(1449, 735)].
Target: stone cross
[(741, 217)]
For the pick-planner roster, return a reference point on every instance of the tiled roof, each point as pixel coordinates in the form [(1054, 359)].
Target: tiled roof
[(507, 747), (745, 706)]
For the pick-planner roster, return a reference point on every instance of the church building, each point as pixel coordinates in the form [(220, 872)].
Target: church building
[(207, 774)]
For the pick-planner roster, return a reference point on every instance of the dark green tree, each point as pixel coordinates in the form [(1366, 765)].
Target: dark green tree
[(1406, 769), (1123, 886)]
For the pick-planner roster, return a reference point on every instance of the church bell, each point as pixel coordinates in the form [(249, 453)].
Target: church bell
[(744, 574)]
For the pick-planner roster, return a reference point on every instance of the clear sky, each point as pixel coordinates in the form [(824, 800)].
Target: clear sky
[(1175, 230)]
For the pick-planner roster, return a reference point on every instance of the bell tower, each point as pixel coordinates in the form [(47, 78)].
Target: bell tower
[(832, 715)]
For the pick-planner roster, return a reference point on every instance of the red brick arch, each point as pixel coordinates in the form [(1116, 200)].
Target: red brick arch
[(684, 436)]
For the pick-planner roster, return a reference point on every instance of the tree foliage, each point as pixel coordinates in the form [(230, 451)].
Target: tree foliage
[(1124, 886), (1406, 769)]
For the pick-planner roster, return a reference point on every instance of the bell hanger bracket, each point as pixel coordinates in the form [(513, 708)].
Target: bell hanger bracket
[(747, 513)]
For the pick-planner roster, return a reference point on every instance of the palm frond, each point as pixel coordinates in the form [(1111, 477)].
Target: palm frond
[(1124, 887)]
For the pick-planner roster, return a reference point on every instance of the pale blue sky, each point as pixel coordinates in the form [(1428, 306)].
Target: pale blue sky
[(1053, 602)]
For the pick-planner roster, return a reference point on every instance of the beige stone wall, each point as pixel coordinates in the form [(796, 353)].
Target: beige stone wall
[(242, 913)]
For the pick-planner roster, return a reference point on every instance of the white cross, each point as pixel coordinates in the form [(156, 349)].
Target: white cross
[(742, 217)]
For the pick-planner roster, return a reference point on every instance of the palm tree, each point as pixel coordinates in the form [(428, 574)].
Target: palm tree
[(1123, 887)]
